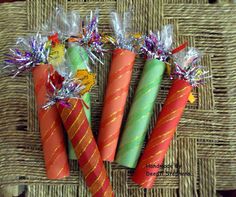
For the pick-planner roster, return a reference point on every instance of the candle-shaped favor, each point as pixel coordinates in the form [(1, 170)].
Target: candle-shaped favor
[(83, 43), (187, 74), (32, 55), (120, 73), (156, 48), (66, 93)]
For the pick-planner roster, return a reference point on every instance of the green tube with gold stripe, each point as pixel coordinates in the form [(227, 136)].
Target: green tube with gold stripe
[(140, 113), (78, 59)]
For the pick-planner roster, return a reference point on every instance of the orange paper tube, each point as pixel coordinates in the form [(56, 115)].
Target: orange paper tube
[(86, 150), (114, 102), (162, 134), (51, 131)]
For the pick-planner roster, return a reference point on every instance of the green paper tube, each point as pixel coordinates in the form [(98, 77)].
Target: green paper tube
[(140, 113), (78, 58)]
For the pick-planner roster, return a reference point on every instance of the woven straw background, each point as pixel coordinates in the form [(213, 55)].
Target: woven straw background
[(205, 143)]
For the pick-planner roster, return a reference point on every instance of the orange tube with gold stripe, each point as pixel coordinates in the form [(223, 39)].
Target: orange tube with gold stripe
[(86, 150), (162, 134), (114, 102), (51, 131)]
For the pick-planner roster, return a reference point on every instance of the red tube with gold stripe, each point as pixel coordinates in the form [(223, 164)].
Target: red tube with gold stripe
[(86, 150), (51, 131), (163, 133), (114, 102)]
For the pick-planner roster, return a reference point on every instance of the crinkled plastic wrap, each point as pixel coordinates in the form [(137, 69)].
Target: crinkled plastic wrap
[(124, 36), (188, 74), (187, 67), (30, 52), (158, 45), (75, 30)]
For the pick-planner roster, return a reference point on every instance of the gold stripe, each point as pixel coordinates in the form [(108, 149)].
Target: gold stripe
[(130, 123), (52, 155), (94, 166), (114, 133), (114, 113), (167, 116), (108, 156), (120, 76), (79, 142), (160, 136), (175, 95), (115, 98), (110, 192), (66, 109), (145, 181), (127, 65), (111, 121), (165, 121), (95, 182), (115, 91), (79, 153), (88, 162), (100, 185), (77, 128), (61, 170), (46, 111), (75, 122), (105, 193), (131, 141), (174, 99), (109, 143), (53, 131), (53, 124), (158, 143), (146, 89), (71, 110), (157, 153)]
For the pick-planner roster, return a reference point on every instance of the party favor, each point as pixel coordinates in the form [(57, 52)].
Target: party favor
[(33, 56), (117, 87), (66, 93)]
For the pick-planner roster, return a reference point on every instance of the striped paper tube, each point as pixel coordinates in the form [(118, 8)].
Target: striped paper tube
[(78, 58), (51, 131), (86, 150), (162, 134), (140, 113), (114, 102)]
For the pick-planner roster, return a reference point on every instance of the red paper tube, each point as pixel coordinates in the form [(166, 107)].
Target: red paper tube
[(114, 103), (162, 133), (51, 130), (86, 150)]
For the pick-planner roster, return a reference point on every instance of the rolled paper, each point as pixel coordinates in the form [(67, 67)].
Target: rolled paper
[(140, 113), (78, 59), (114, 102), (51, 130), (162, 133), (86, 150)]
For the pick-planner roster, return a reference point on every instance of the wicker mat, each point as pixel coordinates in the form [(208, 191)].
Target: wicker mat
[(205, 143)]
